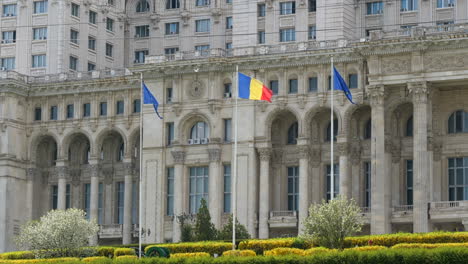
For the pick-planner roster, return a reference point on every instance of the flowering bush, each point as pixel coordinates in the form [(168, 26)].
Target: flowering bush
[(239, 253), (317, 250), (259, 246), (17, 255), (389, 240), (429, 246), (99, 260)]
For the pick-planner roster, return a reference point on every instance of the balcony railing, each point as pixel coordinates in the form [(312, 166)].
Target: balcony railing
[(283, 214), (448, 204), (110, 231), (403, 208)]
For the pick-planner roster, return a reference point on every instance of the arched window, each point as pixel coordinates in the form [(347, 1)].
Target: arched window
[(199, 133), (409, 127), (120, 156), (335, 130), (87, 155), (171, 4), (142, 6), (293, 133), (458, 122), (368, 129)]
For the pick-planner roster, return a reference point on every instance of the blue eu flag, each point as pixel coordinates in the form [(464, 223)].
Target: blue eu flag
[(340, 84), (148, 98)]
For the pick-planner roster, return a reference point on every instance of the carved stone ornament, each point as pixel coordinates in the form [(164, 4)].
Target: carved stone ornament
[(303, 152), (376, 94), (216, 13), (155, 18), (419, 90), (315, 157), (277, 155), (128, 168), (342, 148), (355, 153), (196, 89), (108, 175), (264, 153), (178, 156), (61, 172), (214, 155), (75, 177), (401, 64), (436, 147), (185, 17)]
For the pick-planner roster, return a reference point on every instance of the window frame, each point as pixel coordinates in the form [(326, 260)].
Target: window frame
[(203, 25), (287, 8)]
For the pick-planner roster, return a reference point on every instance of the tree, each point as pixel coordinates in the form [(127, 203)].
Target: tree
[(330, 222), (186, 229), (58, 233), (226, 232), (204, 229)]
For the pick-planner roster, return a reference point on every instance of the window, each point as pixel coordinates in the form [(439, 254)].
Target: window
[(91, 43), (228, 45), (67, 196), (100, 203), (119, 107), (92, 17), (293, 188), (458, 122), (142, 6), (312, 34), (37, 114), (87, 199), (168, 95), (353, 81), (228, 1), (336, 180), (458, 178), (171, 51), (367, 184), (227, 188), (227, 90), (200, 131), (86, 109), (110, 2), (293, 86), (75, 10), (312, 5), (288, 34), (444, 25), (136, 106), (368, 129), (73, 63), (202, 25), (203, 49), (202, 2), (293, 133), (172, 4), (142, 31), (261, 10), (38, 61), (120, 202), (74, 36), (53, 112), (409, 5), (287, 8), (8, 63), (140, 56), (40, 7), (170, 133), (172, 28), (121, 152), (91, 66), (9, 10), (70, 111), (445, 3), (198, 187), (39, 33), (335, 130), (374, 8), (228, 22), (9, 36), (313, 84), (409, 127), (227, 130), (109, 49), (110, 24), (409, 182), (261, 37), (54, 197), (170, 192), (274, 86)]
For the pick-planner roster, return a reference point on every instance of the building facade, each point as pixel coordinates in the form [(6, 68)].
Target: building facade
[(70, 113)]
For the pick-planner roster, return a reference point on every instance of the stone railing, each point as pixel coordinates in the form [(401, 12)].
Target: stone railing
[(62, 77), (283, 219), (283, 214), (419, 31), (403, 208), (110, 231), (448, 204)]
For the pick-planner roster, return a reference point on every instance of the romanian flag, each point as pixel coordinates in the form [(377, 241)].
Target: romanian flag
[(253, 89)]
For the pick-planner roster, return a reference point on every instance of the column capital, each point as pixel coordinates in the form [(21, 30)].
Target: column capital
[(93, 170), (355, 153), (178, 156), (303, 151), (214, 155), (376, 94), (61, 172), (342, 148), (264, 153), (31, 173), (315, 157), (420, 91), (128, 168)]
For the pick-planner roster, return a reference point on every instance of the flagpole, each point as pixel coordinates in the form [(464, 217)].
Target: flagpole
[(234, 169), (141, 166), (332, 169)]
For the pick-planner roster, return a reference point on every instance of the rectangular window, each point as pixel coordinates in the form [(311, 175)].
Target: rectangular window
[(313, 84), (229, 22), (261, 10), (40, 33), (409, 182), (74, 36), (445, 3), (87, 199), (38, 61), (169, 95), (292, 86), (68, 196), (103, 108), (336, 179), (170, 192), (9, 36), (100, 203), (228, 45), (312, 5), (120, 202), (353, 81), (86, 109), (227, 188), (9, 10), (91, 43), (54, 192), (170, 133), (287, 8), (70, 111), (172, 28), (312, 34), (172, 4), (37, 114), (227, 130), (119, 107), (8, 63), (274, 86), (171, 51), (261, 37), (136, 106), (73, 63), (374, 8), (203, 49), (75, 10), (367, 184), (228, 1), (409, 5), (91, 66), (287, 34), (110, 24), (293, 188), (202, 2), (142, 31), (109, 49), (198, 188), (444, 25), (40, 7), (140, 56), (458, 178), (53, 112), (202, 25), (92, 17)]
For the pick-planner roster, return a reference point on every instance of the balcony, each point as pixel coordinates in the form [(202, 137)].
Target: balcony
[(110, 231), (402, 214), (448, 211), (283, 219)]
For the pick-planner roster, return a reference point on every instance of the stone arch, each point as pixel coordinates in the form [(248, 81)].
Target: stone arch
[(277, 112), (134, 142), (77, 149), (45, 152), (354, 120), (101, 137), (398, 114), (186, 123), (313, 112), (36, 140), (67, 139)]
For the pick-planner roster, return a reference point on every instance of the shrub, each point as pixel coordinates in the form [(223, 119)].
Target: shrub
[(190, 255), (284, 251), (226, 231), (96, 260), (124, 252), (106, 251), (259, 246), (366, 248), (204, 229), (317, 250), (389, 240), (239, 253), (17, 255), (126, 257), (429, 246), (210, 247)]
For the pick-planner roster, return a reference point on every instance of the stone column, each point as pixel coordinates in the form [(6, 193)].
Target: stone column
[(264, 210), (179, 159), (94, 196), (62, 173), (215, 187), (355, 174), (317, 184), (127, 218), (345, 179), (303, 185), (421, 163), (31, 174), (380, 183)]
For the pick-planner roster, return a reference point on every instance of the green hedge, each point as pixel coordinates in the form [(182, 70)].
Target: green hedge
[(389, 240), (208, 247)]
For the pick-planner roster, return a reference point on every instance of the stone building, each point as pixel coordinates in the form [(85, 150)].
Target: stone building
[(69, 131)]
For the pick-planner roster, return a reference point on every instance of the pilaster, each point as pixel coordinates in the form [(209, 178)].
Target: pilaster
[(264, 210), (127, 219), (179, 159), (303, 184), (215, 186), (345, 179)]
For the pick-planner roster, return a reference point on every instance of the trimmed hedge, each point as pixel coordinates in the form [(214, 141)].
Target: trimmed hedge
[(389, 240), (124, 252), (429, 246), (366, 248), (209, 247), (106, 251), (17, 255), (283, 252), (239, 253), (259, 246), (41, 261), (318, 250), (96, 260), (191, 255)]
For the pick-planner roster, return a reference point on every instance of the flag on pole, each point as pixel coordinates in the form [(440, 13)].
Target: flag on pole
[(340, 84), (253, 89), (148, 98)]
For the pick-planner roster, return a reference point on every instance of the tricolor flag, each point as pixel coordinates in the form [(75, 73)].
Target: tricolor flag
[(253, 89)]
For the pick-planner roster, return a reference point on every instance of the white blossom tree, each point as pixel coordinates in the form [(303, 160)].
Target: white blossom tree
[(58, 233)]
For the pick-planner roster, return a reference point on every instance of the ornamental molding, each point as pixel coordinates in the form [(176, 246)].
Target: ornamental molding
[(342, 148), (376, 94), (315, 157), (303, 152), (214, 155), (178, 156), (196, 89), (264, 153), (355, 153), (396, 64), (128, 169), (61, 172), (420, 91)]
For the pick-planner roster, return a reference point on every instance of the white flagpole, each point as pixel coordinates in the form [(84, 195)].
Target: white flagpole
[(332, 172), (234, 169), (141, 165)]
